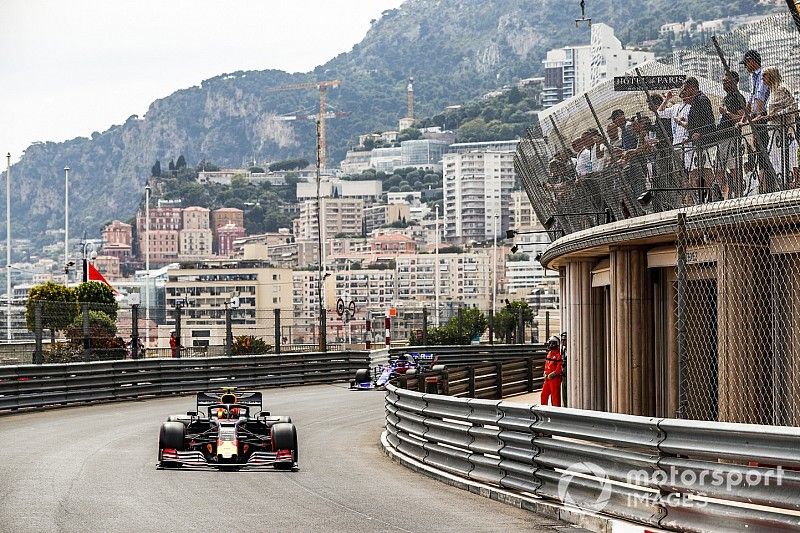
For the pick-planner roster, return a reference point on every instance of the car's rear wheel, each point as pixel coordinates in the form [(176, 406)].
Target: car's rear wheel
[(171, 436), (284, 437)]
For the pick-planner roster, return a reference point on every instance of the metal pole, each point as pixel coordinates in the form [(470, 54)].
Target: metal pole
[(8, 248), (147, 266), (681, 318), (436, 270), (228, 330), (135, 332), (277, 313), (424, 338), (66, 225), (321, 252), (494, 267)]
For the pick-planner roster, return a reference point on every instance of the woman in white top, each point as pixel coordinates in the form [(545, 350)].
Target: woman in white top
[(781, 115)]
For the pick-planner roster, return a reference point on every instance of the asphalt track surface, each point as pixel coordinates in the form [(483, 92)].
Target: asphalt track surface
[(93, 468)]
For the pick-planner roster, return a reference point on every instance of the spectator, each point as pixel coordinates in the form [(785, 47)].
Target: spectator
[(174, 345), (782, 116), (756, 107), (726, 170), (678, 115), (759, 94), (628, 136), (700, 126), (583, 166)]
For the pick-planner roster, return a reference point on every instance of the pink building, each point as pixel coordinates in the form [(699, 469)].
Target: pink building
[(225, 237), (394, 243)]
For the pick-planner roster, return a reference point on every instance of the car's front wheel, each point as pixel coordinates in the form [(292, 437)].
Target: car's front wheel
[(171, 437)]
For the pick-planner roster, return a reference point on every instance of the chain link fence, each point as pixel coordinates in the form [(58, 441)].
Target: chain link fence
[(612, 154), (738, 261)]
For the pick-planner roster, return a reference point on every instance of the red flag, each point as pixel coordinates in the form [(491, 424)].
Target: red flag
[(95, 275)]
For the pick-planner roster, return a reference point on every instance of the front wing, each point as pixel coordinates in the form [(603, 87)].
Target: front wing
[(196, 460)]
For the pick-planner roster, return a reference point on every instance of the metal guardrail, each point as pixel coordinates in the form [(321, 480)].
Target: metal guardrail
[(33, 386), (472, 354), (489, 380), (672, 474)]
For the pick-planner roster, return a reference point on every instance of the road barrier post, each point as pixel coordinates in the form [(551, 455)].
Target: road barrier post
[(135, 331), (277, 330), (38, 356)]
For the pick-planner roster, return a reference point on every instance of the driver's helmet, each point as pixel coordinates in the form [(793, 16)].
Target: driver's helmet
[(402, 360), (221, 412), (234, 412)]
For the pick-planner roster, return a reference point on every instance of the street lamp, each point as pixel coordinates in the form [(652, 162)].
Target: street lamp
[(436, 268), (66, 225), (646, 197), (147, 264), (607, 213), (8, 247), (511, 233)]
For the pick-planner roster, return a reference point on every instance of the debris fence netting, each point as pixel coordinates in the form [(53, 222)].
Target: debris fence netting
[(738, 273)]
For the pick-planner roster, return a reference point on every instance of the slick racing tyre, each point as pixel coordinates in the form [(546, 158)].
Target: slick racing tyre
[(171, 436), (362, 376), (284, 437)]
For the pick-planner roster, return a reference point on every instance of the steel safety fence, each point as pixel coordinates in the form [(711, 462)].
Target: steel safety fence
[(672, 474), (647, 143), (36, 386)]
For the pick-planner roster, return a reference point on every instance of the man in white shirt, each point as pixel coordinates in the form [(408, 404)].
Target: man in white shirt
[(679, 115)]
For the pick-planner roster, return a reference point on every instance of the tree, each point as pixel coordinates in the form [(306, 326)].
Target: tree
[(99, 296), (171, 166), (181, 162), (155, 171), (59, 307), (507, 318), (472, 324)]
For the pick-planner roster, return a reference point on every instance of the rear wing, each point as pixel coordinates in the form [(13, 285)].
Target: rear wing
[(250, 398)]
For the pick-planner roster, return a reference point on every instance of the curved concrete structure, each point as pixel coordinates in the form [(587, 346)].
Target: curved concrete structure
[(623, 298)]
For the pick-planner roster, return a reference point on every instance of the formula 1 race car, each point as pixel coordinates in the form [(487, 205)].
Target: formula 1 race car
[(378, 376), (227, 436)]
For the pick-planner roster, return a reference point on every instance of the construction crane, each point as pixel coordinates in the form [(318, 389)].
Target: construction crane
[(307, 116), (322, 86)]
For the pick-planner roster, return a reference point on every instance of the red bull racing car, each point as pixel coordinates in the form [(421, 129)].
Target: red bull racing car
[(234, 433)]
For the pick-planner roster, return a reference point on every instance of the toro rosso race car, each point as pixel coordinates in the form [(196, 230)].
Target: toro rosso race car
[(379, 376), (233, 434)]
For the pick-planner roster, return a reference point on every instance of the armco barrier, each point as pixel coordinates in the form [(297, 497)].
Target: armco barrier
[(473, 354), (31, 386), (670, 474)]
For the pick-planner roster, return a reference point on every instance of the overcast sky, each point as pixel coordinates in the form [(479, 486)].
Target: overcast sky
[(68, 68)]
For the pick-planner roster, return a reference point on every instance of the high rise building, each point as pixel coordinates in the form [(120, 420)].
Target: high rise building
[(573, 70), (477, 191)]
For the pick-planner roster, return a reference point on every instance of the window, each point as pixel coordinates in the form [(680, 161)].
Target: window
[(275, 300)]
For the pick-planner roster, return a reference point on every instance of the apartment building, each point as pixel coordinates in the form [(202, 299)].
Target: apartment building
[(463, 278), (477, 192), (380, 215), (195, 239), (340, 216), (522, 217), (224, 237), (165, 225), (204, 289), (118, 240), (573, 70)]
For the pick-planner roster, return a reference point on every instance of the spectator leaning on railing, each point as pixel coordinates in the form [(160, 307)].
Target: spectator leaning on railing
[(699, 126), (781, 116), (756, 107), (726, 169)]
